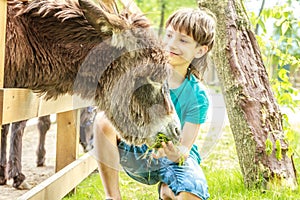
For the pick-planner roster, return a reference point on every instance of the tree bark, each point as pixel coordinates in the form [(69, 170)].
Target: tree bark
[(162, 16), (254, 115)]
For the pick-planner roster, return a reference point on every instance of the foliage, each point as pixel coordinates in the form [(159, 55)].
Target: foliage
[(281, 55), (91, 188), (154, 9), (269, 146)]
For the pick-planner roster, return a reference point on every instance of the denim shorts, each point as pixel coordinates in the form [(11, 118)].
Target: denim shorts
[(188, 177)]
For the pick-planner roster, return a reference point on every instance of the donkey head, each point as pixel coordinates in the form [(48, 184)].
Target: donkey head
[(132, 72)]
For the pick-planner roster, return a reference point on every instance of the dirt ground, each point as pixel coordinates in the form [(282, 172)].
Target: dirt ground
[(34, 175)]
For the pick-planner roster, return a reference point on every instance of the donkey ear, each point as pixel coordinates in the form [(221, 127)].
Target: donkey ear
[(99, 18)]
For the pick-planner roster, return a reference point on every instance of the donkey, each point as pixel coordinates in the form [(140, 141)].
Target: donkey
[(13, 167), (69, 47)]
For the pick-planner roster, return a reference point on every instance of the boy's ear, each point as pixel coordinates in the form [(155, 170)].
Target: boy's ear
[(201, 51)]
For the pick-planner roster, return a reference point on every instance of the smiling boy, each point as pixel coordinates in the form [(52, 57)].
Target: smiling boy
[(190, 35)]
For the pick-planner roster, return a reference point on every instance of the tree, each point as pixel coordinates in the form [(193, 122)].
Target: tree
[(254, 115)]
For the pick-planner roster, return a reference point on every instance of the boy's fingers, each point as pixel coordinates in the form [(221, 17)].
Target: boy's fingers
[(158, 153), (169, 147), (165, 147)]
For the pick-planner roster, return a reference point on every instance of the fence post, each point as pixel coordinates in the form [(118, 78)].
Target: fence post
[(3, 8)]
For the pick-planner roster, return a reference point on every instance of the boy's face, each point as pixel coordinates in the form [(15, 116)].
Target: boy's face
[(182, 48)]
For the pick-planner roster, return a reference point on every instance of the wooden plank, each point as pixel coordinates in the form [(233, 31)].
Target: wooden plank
[(1, 108), (58, 185), (20, 104), (3, 10), (62, 104), (68, 125)]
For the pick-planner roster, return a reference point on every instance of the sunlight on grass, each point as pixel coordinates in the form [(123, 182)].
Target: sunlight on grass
[(91, 188), (221, 168), (222, 171), (228, 184)]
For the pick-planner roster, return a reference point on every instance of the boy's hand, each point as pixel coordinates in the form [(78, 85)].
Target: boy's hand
[(172, 152), (158, 153)]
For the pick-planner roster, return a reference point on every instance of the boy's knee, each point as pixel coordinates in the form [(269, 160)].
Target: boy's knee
[(187, 196), (166, 192), (103, 126)]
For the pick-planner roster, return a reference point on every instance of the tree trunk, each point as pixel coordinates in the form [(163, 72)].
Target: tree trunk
[(162, 16), (254, 115)]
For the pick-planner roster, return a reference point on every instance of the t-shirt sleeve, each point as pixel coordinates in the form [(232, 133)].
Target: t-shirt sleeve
[(197, 112)]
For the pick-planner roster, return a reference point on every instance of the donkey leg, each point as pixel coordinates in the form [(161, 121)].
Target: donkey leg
[(43, 126), (15, 153), (86, 127), (3, 161)]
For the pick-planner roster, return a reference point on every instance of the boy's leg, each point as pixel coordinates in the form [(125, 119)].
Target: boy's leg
[(107, 155), (167, 194), (187, 196), (183, 182)]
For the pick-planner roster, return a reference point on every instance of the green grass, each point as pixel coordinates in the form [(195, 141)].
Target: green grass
[(222, 171), (91, 188)]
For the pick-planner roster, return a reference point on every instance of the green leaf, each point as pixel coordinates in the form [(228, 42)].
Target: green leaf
[(298, 41), (282, 74), (289, 135), (279, 22), (284, 27), (262, 25), (277, 15), (269, 147)]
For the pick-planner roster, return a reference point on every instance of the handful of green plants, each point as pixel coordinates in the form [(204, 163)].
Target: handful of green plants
[(161, 137)]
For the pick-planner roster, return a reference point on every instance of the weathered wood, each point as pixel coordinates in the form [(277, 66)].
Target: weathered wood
[(1, 108), (251, 106), (21, 104), (3, 8), (58, 185), (18, 104), (62, 104), (68, 125)]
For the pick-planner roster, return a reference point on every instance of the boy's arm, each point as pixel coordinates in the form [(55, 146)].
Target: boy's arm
[(189, 134)]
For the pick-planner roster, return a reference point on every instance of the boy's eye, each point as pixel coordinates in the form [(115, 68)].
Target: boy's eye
[(169, 35)]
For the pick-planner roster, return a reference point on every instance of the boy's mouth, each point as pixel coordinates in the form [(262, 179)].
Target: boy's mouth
[(173, 54)]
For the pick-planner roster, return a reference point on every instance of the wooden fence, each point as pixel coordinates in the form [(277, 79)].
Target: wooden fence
[(20, 104)]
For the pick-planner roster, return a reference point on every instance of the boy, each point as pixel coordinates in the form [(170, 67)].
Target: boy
[(189, 37)]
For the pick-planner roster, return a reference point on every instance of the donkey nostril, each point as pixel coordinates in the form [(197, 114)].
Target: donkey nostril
[(176, 131)]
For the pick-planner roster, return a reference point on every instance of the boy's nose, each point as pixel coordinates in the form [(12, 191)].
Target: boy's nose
[(171, 44)]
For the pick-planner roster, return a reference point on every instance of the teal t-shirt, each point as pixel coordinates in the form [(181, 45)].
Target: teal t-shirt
[(191, 103)]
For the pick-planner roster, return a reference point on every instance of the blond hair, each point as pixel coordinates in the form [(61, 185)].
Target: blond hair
[(200, 24)]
